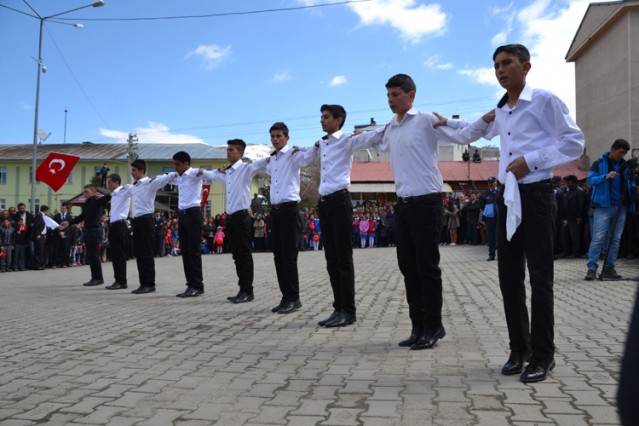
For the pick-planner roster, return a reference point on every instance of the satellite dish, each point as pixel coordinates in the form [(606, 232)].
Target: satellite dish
[(43, 135)]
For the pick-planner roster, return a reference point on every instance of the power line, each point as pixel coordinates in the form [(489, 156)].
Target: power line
[(217, 15), (77, 81)]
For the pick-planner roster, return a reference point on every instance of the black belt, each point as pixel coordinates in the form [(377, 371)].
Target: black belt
[(144, 216), (334, 195), (542, 185), (186, 211), (117, 222), (284, 205), (239, 213), (417, 198)]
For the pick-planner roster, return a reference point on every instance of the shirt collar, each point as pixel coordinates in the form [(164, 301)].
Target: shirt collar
[(284, 150), (335, 135), (236, 165), (525, 95), (412, 111)]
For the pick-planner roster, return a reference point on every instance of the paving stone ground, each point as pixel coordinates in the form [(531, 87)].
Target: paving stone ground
[(74, 355)]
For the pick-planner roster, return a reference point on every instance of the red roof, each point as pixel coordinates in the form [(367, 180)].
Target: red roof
[(452, 171)]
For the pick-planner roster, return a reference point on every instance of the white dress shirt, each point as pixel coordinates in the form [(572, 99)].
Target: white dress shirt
[(413, 147), (120, 205), (189, 188), (284, 168), (539, 128), (336, 155), (237, 179), (144, 191)]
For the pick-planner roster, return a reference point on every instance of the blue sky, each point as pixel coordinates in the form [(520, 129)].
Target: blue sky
[(212, 79)]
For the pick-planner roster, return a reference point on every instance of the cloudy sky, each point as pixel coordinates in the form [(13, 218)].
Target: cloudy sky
[(204, 71)]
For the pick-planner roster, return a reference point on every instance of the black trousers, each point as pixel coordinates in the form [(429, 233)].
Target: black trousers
[(118, 241), (39, 254), (239, 227), (491, 235), (629, 376), (190, 236), (92, 240), (531, 244), (143, 247), (417, 233), (284, 235), (336, 215)]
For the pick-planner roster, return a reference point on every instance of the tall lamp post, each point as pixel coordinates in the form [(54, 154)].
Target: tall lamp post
[(41, 69)]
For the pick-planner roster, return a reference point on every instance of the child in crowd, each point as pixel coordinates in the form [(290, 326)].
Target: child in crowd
[(219, 240)]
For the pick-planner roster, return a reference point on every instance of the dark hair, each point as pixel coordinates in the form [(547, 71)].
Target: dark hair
[(337, 111), (403, 81), (238, 143), (571, 178), (115, 178), (90, 186), (182, 157), (139, 164), (21, 204), (44, 208), (279, 126), (621, 144), (519, 50)]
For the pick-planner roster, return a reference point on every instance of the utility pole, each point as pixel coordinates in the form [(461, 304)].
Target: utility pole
[(65, 125), (132, 153)]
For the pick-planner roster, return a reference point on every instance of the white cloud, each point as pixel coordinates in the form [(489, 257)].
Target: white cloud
[(212, 54), (413, 21), (281, 76), (338, 80), (434, 63), (547, 29), (154, 133), (481, 75)]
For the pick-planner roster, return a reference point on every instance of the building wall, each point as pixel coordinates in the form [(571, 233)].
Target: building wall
[(633, 69), (17, 188), (602, 77)]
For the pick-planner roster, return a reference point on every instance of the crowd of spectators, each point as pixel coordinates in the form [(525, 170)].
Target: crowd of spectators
[(373, 226)]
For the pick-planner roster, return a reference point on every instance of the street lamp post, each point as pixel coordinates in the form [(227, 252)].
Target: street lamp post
[(42, 19)]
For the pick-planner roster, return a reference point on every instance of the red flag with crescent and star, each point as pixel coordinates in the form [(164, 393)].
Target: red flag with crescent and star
[(205, 194), (55, 169)]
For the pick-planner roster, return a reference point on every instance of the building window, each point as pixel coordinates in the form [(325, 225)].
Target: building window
[(69, 180), (3, 203), (3, 175), (169, 187), (31, 176)]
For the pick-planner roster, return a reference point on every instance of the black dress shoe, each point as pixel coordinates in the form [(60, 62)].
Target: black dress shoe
[(93, 282), (411, 339), (515, 363), (490, 258), (191, 292), (277, 308), (243, 297), (143, 290), (342, 319), (232, 298), (537, 370), (428, 339), (289, 307), (334, 315), (116, 286)]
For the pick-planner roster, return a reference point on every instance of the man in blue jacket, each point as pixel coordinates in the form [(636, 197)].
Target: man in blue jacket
[(612, 191)]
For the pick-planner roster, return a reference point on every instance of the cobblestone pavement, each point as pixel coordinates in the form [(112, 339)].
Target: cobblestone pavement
[(84, 355)]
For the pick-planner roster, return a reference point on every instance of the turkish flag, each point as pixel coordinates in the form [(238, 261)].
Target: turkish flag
[(205, 194), (55, 169)]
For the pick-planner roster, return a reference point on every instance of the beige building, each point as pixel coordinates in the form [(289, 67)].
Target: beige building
[(15, 171), (605, 51)]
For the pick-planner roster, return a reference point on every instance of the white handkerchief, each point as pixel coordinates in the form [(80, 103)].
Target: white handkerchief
[(513, 202), (50, 223)]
